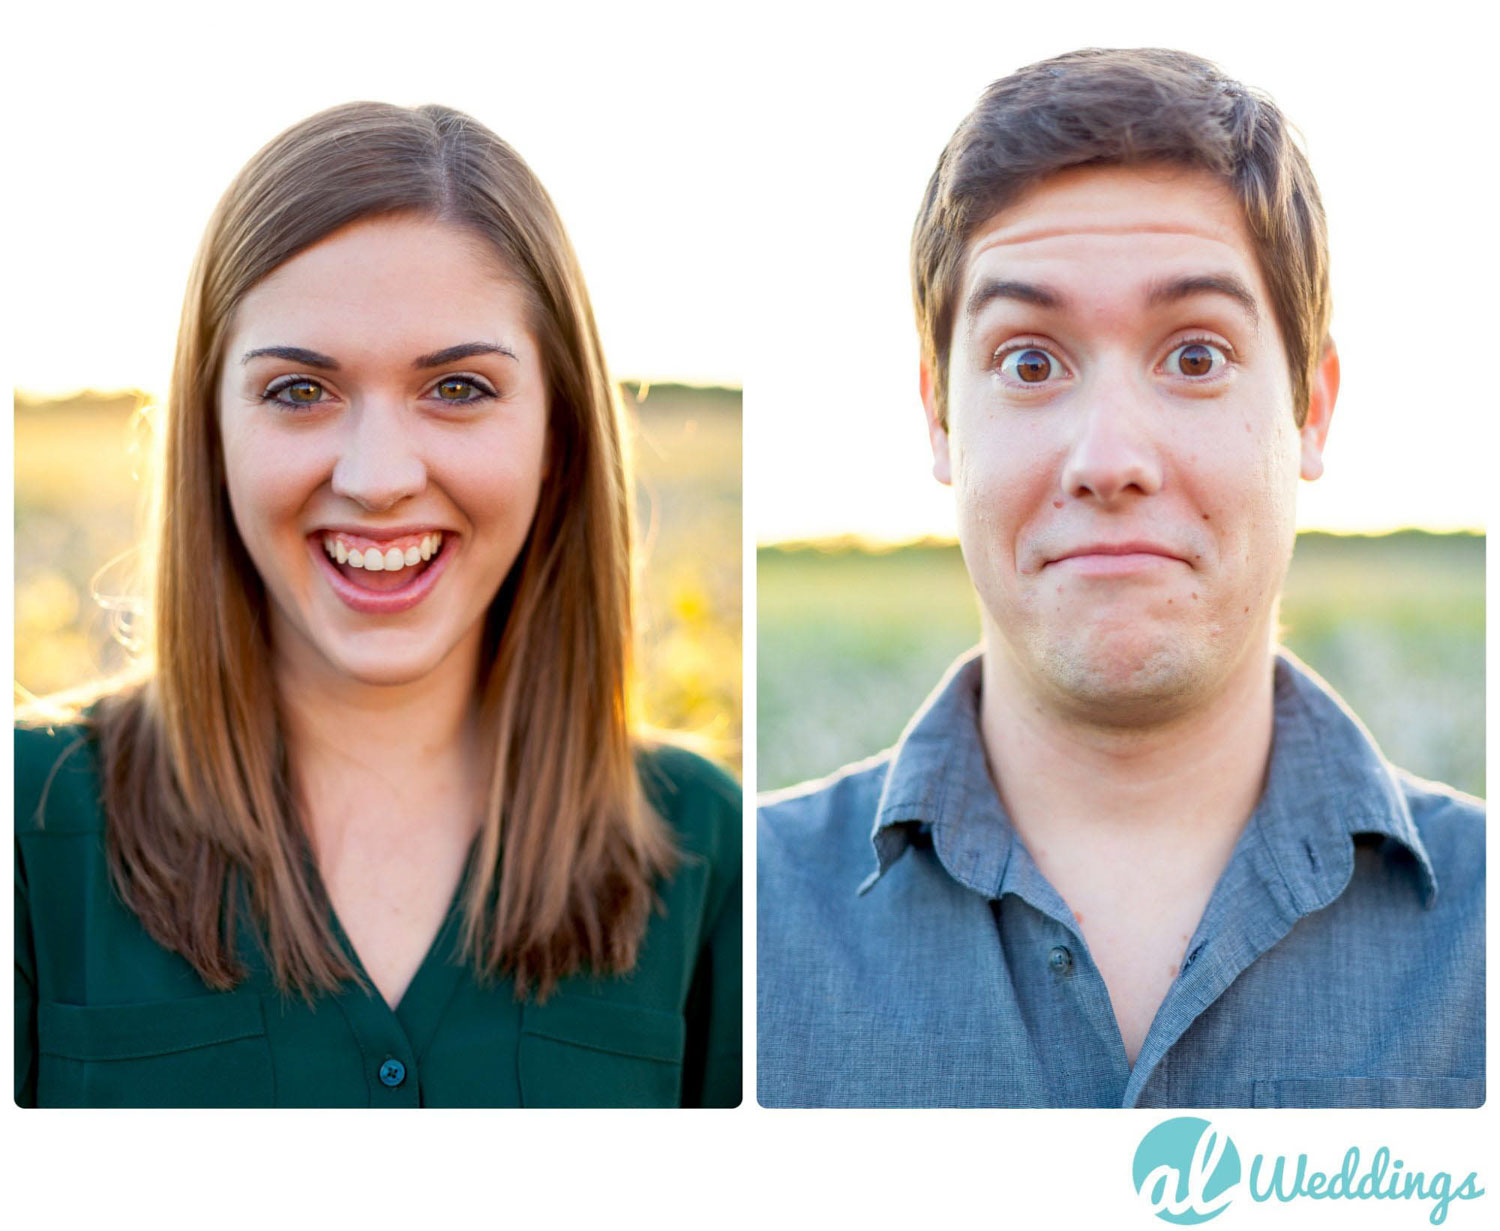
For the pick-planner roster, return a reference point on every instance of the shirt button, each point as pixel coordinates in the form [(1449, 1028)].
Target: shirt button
[(1060, 960), (392, 1073)]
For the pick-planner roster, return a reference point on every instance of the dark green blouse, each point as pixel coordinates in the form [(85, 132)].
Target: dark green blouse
[(106, 1017)]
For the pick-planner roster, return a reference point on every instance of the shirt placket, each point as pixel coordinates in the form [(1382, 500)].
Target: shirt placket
[(393, 1041), (387, 1059), (1057, 987), (1255, 904), (1066, 993)]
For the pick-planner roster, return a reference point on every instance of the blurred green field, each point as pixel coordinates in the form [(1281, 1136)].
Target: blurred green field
[(851, 641), (79, 469)]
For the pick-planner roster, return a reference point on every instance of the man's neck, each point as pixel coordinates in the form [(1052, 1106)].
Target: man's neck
[(1199, 769), (1133, 826)]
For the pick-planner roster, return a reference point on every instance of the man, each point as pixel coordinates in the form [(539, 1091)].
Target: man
[(1127, 855)]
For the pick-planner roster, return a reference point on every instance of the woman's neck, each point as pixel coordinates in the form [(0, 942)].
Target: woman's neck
[(390, 755)]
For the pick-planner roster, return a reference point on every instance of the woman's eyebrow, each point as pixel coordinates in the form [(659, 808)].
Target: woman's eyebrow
[(464, 350), (294, 354)]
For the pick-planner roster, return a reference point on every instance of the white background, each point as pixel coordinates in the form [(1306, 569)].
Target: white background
[(740, 186)]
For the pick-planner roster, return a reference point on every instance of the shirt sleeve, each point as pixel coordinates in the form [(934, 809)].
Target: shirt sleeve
[(713, 1063)]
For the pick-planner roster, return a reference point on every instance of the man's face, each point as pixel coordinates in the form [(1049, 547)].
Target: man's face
[(1121, 441)]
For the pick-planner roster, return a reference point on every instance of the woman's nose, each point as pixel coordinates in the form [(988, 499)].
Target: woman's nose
[(378, 466)]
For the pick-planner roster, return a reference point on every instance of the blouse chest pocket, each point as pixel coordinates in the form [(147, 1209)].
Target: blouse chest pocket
[(206, 1051), (578, 1052)]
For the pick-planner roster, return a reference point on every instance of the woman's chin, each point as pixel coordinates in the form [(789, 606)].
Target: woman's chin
[(379, 662), (385, 674), (319, 649)]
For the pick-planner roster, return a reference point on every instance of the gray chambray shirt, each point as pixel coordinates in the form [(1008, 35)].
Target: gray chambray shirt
[(911, 954)]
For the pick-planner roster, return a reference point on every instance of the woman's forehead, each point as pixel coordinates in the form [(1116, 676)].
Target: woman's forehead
[(409, 283)]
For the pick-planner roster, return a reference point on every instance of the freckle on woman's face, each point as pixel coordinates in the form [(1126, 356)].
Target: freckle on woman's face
[(346, 429)]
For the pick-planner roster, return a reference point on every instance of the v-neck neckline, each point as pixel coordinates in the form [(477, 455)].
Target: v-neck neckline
[(422, 1004)]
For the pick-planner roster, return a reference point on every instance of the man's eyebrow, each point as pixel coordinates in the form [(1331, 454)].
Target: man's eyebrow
[(1022, 292), (295, 354), (1173, 289), (464, 350)]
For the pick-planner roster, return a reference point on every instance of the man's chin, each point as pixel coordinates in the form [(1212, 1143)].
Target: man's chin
[(1135, 685)]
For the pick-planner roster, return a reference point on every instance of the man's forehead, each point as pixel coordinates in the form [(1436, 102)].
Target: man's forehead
[(1141, 223)]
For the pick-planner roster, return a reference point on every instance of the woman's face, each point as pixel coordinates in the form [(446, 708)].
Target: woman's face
[(383, 409)]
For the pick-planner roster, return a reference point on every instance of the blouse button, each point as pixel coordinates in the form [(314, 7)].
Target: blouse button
[(1060, 960), (392, 1073)]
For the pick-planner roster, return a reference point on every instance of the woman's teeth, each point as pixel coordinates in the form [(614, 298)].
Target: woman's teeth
[(388, 559)]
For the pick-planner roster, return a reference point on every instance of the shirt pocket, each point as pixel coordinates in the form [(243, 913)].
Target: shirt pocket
[(1370, 1092), (577, 1052), (206, 1051)]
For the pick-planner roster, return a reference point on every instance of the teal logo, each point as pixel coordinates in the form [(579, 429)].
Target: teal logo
[(1186, 1170)]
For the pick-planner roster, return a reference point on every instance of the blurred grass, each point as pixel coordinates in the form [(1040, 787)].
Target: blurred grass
[(79, 468), (851, 641), (687, 460)]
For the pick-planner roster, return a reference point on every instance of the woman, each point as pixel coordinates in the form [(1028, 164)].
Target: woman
[(373, 827)]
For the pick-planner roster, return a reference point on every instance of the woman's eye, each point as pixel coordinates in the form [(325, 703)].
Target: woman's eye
[(296, 393), (459, 389), (1196, 359), (1030, 365)]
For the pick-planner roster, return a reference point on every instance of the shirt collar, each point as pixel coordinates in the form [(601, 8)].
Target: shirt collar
[(939, 785), (1327, 781)]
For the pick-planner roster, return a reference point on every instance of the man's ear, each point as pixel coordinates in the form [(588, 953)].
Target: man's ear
[(1323, 394), (937, 432)]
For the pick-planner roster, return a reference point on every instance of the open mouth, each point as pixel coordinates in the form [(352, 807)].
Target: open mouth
[(379, 566), (382, 576)]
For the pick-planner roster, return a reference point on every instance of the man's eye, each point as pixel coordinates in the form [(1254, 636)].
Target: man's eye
[(1030, 365), (1196, 359), (299, 392)]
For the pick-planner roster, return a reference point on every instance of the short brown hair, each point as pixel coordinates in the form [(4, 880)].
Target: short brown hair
[(1102, 107)]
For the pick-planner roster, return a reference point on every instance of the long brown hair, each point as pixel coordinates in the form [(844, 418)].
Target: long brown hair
[(196, 786)]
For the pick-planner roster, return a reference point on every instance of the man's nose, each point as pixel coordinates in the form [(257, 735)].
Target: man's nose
[(379, 465), (1114, 452)]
